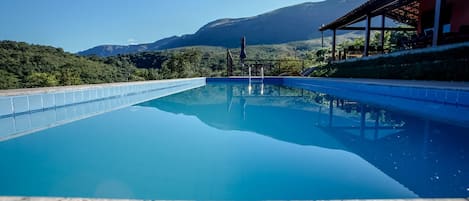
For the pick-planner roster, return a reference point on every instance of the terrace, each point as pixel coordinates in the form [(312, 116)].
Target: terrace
[(436, 22)]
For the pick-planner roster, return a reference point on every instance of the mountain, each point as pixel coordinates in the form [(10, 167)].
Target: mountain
[(294, 23)]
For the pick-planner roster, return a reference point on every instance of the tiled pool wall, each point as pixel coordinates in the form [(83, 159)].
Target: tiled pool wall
[(449, 113), (41, 109), (400, 89), (65, 96), (266, 80), (432, 93), (36, 101), (19, 124)]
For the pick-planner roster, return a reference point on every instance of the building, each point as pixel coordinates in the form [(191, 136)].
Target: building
[(435, 21)]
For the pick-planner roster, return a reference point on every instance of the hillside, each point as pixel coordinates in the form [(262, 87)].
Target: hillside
[(294, 23), (24, 65)]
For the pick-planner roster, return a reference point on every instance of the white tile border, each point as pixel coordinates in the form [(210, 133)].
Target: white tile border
[(27, 123), (21, 100), (440, 92)]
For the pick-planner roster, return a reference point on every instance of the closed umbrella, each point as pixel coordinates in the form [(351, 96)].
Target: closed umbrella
[(242, 55)]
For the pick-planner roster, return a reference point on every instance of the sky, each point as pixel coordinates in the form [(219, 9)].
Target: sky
[(76, 25)]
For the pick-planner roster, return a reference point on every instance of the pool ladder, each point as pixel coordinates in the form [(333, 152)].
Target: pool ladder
[(250, 75), (261, 81)]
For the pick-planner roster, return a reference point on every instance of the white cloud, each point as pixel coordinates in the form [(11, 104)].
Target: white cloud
[(131, 41)]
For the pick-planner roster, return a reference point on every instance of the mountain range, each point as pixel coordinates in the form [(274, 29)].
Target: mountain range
[(293, 23)]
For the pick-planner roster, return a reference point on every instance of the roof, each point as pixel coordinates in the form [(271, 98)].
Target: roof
[(403, 11)]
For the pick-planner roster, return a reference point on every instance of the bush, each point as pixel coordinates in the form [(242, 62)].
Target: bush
[(8, 80), (41, 80), (449, 65)]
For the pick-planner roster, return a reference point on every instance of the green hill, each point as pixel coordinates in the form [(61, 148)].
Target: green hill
[(23, 65)]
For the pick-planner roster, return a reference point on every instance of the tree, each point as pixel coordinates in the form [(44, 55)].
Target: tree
[(396, 38), (289, 65), (69, 75), (182, 64), (8, 80), (376, 40), (321, 55), (41, 80), (20, 63)]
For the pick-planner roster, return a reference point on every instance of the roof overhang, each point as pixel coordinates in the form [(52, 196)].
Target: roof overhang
[(403, 11)]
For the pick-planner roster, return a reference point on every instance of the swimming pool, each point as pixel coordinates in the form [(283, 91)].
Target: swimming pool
[(234, 141)]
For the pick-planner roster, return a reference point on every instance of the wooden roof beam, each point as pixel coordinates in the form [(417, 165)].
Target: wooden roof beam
[(371, 8)]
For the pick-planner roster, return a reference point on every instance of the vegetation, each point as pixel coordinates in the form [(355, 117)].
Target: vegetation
[(445, 65), (23, 65), (392, 40)]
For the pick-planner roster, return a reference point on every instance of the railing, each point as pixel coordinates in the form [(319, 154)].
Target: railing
[(262, 67)]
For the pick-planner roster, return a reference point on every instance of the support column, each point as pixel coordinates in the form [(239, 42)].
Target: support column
[(383, 24), (334, 32), (322, 39), (367, 35), (436, 24)]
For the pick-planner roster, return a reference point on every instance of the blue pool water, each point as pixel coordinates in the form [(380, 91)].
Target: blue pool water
[(229, 141)]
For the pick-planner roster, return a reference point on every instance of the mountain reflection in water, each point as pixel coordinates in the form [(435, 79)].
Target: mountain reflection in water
[(427, 154)]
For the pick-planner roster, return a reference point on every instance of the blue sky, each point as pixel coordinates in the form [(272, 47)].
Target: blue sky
[(76, 25)]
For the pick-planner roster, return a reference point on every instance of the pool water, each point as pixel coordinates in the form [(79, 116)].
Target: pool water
[(231, 141)]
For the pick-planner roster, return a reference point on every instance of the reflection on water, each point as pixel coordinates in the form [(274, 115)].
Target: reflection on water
[(427, 154), (231, 142)]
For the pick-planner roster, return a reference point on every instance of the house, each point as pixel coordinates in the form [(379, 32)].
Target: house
[(435, 21)]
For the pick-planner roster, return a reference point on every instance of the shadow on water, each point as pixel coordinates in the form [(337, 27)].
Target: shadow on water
[(426, 153)]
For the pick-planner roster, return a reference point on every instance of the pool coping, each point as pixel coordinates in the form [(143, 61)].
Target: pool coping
[(41, 90), (454, 85), (402, 83), (20, 101), (19, 198), (430, 84), (455, 93), (85, 116)]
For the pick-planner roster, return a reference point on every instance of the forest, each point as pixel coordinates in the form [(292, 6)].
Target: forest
[(24, 65)]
